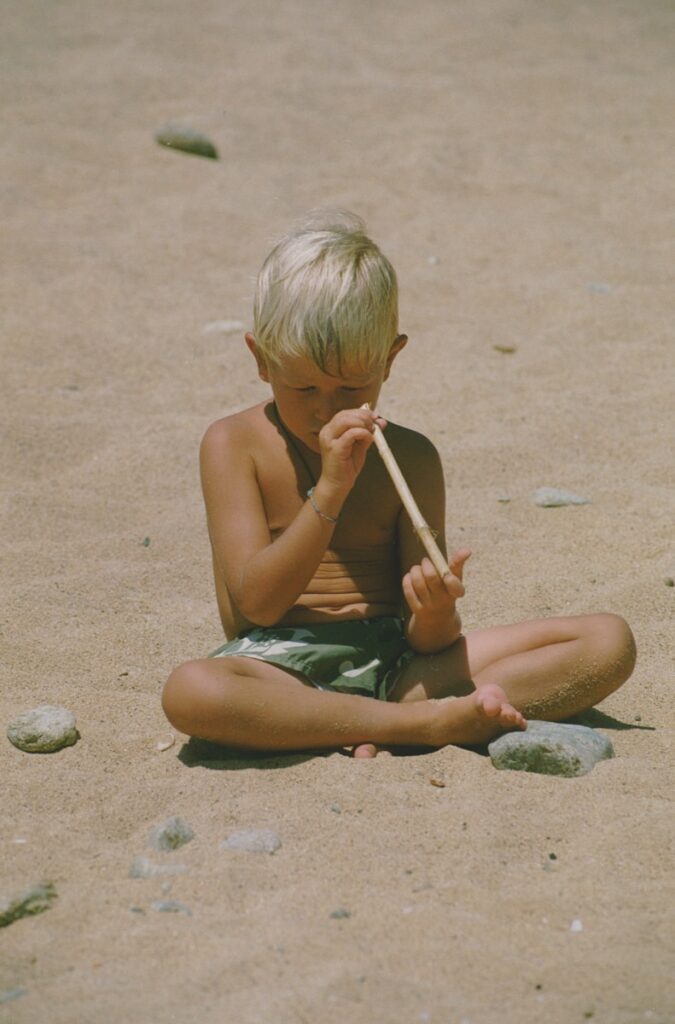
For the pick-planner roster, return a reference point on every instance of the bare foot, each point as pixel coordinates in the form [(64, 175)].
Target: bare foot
[(365, 750), (477, 718)]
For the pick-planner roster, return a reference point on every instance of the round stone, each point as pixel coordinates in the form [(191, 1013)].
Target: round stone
[(43, 730)]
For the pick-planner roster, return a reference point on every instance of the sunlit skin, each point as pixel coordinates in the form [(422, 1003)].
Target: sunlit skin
[(269, 543)]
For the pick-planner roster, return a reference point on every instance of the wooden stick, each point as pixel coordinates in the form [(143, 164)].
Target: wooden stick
[(422, 529)]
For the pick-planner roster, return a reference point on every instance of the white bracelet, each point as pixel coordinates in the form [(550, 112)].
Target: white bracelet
[(329, 519)]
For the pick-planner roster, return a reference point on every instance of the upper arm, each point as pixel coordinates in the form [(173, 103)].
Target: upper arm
[(234, 507), (423, 471)]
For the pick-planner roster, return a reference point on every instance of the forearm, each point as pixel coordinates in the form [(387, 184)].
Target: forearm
[(428, 634), (275, 577)]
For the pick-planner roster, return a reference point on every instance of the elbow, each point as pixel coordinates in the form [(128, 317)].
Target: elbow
[(258, 610)]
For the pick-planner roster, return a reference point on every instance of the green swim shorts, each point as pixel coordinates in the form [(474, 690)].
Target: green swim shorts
[(361, 656)]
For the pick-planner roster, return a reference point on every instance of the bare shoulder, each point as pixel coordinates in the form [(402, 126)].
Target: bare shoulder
[(234, 437), (414, 452)]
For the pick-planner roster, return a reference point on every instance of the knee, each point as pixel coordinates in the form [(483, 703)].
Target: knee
[(615, 645), (179, 693)]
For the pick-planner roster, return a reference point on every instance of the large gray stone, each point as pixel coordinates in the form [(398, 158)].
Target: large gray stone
[(550, 748), (26, 904), (43, 730)]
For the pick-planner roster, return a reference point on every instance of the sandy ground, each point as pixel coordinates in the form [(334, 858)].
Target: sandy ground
[(512, 158)]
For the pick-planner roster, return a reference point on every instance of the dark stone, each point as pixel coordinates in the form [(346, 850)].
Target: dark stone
[(178, 136), (33, 901)]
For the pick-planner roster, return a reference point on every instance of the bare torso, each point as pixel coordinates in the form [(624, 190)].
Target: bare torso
[(359, 575)]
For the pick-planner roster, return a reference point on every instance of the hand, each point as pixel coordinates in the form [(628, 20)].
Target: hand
[(429, 596), (344, 442)]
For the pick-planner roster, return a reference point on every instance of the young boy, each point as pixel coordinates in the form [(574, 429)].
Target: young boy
[(341, 632)]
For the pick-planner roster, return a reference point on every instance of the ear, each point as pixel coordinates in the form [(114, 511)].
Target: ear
[(261, 362), (400, 342)]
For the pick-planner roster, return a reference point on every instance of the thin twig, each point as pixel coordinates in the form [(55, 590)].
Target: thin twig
[(422, 529)]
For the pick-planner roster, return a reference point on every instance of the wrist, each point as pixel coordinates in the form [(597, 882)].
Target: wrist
[(430, 633), (326, 505), (329, 498)]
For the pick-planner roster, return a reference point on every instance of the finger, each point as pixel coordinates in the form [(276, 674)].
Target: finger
[(457, 562), (420, 582), (454, 586), (431, 578), (409, 594), (346, 418)]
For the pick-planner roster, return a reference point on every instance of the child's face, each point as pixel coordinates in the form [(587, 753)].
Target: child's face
[(307, 398)]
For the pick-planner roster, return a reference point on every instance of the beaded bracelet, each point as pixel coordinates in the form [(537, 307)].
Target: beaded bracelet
[(329, 519)]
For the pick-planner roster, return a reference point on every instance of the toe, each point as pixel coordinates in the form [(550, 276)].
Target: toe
[(365, 750)]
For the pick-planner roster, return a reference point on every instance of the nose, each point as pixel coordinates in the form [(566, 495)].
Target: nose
[(325, 408)]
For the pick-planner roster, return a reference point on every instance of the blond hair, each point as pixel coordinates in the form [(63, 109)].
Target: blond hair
[(327, 292)]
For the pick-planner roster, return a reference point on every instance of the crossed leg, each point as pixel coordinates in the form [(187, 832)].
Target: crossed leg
[(543, 668), (549, 668)]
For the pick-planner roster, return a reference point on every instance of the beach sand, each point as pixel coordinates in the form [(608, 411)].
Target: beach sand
[(513, 160)]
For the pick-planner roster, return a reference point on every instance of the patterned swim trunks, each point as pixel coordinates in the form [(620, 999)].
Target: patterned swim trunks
[(361, 656)]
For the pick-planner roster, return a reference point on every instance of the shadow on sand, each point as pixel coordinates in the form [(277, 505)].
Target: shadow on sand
[(206, 754)]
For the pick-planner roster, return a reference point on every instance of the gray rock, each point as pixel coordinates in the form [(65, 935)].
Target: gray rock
[(171, 834), (142, 867), (43, 730), (253, 840), (337, 915), (550, 748), (171, 907), (553, 497), (33, 901), (180, 136), (9, 995)]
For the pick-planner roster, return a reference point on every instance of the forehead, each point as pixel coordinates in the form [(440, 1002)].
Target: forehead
[(302, 371)]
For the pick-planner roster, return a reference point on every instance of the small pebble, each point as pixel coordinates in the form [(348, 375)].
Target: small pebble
[(224, 327), (438, 783), (137, 910), (178, 136), (43, 730), (26, 904), (637, 718), (336, 809), (171, 834), (253, 840), (552, 856), (506, 350), (10, 994), (170, 907), (553, 497), (142, 867), (504, 499), (669, 581), (146, 542), (576, 925), (341, 913), (166, 744)]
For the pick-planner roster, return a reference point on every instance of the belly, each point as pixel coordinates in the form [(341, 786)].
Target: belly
[(350, 584)]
